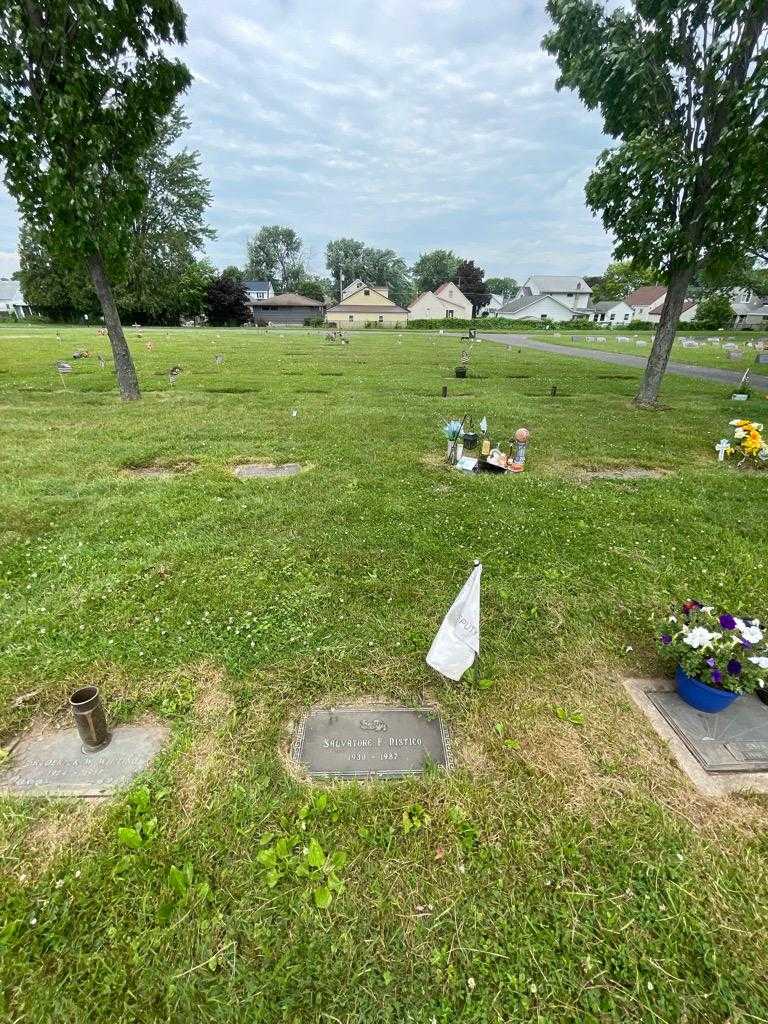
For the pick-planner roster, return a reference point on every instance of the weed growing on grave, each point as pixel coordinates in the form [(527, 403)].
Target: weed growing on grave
[(572, 717), (297, 857)]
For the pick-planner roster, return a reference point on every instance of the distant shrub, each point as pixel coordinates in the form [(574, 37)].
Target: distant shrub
[(314, 321), (261, 322)]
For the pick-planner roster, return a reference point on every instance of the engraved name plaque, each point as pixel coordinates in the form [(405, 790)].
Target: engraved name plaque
[(364, 743), (53, 764)]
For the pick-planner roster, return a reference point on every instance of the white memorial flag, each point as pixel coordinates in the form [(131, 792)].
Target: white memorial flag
[(458, 640)]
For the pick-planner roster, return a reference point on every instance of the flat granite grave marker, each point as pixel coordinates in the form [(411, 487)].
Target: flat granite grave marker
[(53, 763), (733, 740), (372, 742), (248, 470)]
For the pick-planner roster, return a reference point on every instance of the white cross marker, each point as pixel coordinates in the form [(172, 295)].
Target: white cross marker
[(721, 448)]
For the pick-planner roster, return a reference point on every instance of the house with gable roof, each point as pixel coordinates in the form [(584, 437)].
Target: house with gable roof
[(447, 300), (366, 305), (548, 297), (647, 303)]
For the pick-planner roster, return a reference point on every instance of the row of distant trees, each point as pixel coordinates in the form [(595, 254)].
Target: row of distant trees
[(278, 254)]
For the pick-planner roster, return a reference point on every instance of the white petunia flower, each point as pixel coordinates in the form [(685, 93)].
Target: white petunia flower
[(753, 634), (739, 432), (699, 637), (760, 662)]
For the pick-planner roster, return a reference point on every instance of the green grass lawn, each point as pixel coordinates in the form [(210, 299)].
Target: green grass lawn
[(571, 876), (708, 354)]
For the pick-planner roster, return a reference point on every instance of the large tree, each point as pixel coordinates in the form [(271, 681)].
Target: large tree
[(469, 278), (225, 302), (161, 265), (84, 91), (713, 312), (275, 254), (347, 259), (682, 85), (619, 280), (434, 268), (504, 286)]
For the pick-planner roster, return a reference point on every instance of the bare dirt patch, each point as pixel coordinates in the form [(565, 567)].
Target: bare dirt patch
[(588, 474), (158, 470)]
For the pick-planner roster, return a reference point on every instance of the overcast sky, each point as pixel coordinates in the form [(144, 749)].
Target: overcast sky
[(409, 124)]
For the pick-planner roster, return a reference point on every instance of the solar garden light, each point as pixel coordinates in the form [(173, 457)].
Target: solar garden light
[(90, 719)]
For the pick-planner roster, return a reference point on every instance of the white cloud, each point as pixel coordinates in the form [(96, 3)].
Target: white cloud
[(407, 124)]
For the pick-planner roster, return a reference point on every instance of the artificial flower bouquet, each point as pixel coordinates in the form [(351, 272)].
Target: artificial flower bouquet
[(718, 648), (748, 442)]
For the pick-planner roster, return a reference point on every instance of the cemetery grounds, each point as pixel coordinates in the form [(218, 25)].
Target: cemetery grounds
[(709, 350), (566, 871)]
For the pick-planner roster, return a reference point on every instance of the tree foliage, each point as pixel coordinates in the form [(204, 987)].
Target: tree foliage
[(312, 288), (352, 259), (434, 268), (84, 91), (682, 87), (470, 279), (162, 278), (619, 280), (713, 312), (275, 254), (504, 286), (225, 302)]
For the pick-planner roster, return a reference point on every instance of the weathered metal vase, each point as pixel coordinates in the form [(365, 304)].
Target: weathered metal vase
[(90, 718)]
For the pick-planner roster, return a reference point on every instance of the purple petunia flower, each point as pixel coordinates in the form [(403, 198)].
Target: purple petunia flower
[(711, 662), (727, 621), (746, 644), (733, 667), (666, 639), (717, 676)]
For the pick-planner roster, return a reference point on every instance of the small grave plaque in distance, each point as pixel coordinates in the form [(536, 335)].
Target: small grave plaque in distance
[(373, 742)]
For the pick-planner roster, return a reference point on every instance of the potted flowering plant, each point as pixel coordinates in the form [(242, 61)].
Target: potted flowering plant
[(748, 442), (719, 656)]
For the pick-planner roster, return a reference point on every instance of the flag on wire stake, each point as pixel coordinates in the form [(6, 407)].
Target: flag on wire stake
[(102, 363), (219, 359), (61, 369), (173, 374), (457, 643)]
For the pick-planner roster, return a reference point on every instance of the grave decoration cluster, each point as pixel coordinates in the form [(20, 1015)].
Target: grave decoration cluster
[(718, 655), (747, 444), (463, 441)]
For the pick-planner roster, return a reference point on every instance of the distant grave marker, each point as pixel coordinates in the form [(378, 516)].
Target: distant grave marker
[(250, 470), (371, 742)]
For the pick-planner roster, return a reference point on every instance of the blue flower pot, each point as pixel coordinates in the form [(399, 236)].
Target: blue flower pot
[(700, 695)]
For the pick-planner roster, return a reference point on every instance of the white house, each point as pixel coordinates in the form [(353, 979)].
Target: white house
[(492, 306), (648, 302), (258, 291), (12, 301), (573, 292), (536, 307), (446, 301), (612, 312), (355, 286)]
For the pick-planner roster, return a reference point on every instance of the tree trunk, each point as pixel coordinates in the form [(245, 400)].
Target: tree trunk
[(679, 280), (126, 372)]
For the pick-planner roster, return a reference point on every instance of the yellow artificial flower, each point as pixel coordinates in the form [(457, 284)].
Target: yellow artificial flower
[(753, 443)]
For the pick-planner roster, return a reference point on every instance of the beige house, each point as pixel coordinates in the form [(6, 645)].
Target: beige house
[(446, 301), (367, 305)]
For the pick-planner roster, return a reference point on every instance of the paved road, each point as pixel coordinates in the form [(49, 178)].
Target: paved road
[(622, 359)]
